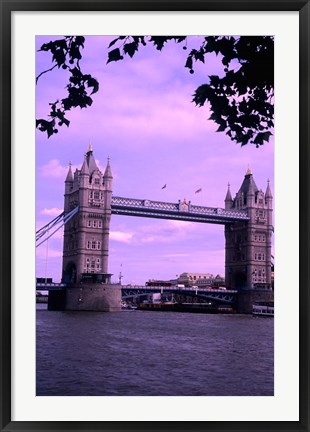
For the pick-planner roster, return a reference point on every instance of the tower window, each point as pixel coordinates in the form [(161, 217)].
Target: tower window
[(94, 223), (99, 224), (88, 244), (89, 223), (98, 245), (97, 181), (93, 245), (96, 195)]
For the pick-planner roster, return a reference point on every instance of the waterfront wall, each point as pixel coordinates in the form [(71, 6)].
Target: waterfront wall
[(87, 297), (246, 298)]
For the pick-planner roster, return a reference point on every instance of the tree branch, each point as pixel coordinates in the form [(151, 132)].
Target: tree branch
[(44, 72)]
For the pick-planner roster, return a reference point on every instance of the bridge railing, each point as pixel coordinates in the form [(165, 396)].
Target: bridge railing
[(133, 202), (160, 206)]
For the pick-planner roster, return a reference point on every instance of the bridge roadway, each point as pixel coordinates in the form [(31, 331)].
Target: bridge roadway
[(178, 211), (131, 291)]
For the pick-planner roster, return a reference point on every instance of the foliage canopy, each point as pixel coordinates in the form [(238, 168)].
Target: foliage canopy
[(241, 99)]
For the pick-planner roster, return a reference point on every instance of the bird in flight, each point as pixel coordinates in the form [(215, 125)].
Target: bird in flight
[(198, 190), (164, 186)]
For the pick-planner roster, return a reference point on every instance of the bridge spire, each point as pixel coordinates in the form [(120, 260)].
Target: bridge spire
[(228, 198), (84, 169), (69, 177), (248, 172), (268, 193), (108, 172)]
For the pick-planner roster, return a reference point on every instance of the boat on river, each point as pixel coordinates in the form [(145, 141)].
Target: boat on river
[(263, 309), (128, 306), (185, 307)]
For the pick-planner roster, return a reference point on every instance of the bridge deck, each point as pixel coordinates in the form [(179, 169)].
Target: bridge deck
[(177, 211)]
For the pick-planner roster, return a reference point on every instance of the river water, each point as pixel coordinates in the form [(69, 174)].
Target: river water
[(141, 353)]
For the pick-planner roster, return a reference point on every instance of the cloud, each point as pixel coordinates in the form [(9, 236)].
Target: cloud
[(120, 236), (164, 232), (53, 169), (176, 255), (51, 211)]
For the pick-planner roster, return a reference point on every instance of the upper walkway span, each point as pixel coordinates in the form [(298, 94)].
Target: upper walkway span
[(184, 211)]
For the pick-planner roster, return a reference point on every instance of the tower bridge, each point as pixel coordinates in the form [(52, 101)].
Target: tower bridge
[(89, 205)]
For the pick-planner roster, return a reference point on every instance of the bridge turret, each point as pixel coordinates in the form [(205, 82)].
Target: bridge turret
[(248, 244), (268, 194), (68, 188), (107, 184), (107, 177), (84, 184), (86, 235), (69, 178), (250, 196)]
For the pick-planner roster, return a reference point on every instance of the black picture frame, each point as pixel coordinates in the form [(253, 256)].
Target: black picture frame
[(7, 7)]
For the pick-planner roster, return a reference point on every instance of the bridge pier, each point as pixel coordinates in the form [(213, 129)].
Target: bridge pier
[(247, 297), (57, 300), (95, 297)]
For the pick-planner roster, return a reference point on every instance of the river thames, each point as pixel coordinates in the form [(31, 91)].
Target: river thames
[(145, 353)]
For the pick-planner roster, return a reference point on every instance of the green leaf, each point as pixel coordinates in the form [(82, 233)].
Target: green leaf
[(259, 139), (66, 121), (130, 48), (113, 42), (114, 55), (189, 62), (222, 127), (92, 82), (79, 40), (159, 41), (267, 135), (199, 55)]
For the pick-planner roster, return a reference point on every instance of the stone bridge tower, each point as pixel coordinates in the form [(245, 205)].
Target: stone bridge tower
[(248, 243), (86, 235)]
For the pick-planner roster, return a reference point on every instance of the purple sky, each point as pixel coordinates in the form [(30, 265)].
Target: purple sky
[(143, 119)]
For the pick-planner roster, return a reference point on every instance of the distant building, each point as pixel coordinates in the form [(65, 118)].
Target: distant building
[(157, 282), (189, 279), (212, 281)]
